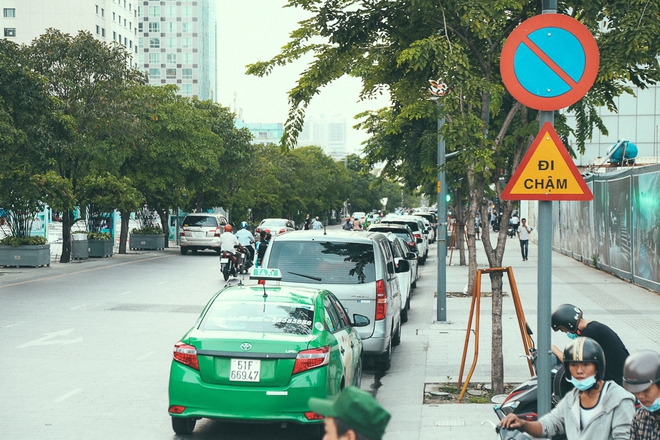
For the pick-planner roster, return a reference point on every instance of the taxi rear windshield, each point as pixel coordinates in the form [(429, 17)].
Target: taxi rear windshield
[(261, 317), (200, 221), (318, 262)]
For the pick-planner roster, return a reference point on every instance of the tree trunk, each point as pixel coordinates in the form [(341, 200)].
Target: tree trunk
[(460, 226), (164, 222), (497, 359), (67, 221), (123, 232)]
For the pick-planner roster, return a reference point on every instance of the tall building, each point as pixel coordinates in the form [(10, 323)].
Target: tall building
[(263, 133), (108, 20), (178, 45), (328, 132)]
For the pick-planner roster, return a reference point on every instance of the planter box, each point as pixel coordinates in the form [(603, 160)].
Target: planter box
[(79, 249), (100, 248), (147, 242), (26, 255)]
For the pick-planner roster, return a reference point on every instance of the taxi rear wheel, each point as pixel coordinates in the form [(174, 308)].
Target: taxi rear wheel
[(183, 425)]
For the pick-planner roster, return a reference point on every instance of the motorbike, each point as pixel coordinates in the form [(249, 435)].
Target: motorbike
[(521, 401), (511, 232), (236, 264)]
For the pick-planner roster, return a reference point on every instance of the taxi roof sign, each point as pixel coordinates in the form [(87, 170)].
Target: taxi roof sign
[(263, 273), (547, 172)]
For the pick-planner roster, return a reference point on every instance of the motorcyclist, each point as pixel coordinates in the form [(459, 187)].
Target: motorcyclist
[(568, 318), (262, 246), (245, 238), (229, 243), (348, 226), (641, 375), (596, 409)]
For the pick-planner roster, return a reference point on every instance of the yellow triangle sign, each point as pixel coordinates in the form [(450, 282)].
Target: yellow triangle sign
[(547, 172)]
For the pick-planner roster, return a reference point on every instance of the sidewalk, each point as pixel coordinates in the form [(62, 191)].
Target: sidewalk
[(633, 312)]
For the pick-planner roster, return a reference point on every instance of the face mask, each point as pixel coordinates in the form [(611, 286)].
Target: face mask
[(654, 407), (572, 335), (584, 384)]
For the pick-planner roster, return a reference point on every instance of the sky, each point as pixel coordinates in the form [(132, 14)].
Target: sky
[(255, 30)]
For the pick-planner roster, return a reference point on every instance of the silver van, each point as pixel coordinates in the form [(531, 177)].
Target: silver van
[(359, 268), (201, 231)]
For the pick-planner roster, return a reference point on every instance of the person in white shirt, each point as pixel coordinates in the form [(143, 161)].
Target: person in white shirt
[(317, 225), (245, 238), (523, 236), (228, 241)]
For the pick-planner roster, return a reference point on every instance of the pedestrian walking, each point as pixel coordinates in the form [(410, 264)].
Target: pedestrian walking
[(308, 222), (595, 409), (354, 415), (523, 236), (568, 318), (641, 375)]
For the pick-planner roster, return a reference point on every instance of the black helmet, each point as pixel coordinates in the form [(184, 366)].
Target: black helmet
[(566, 316), (641, 370), (585, 350)]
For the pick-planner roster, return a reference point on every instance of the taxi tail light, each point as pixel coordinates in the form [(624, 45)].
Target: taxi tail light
[(186, 354), (311, 415), (313, 358), (381, 300), (177, 409)]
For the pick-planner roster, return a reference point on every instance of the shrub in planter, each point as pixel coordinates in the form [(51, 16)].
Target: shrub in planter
[(20, 241)]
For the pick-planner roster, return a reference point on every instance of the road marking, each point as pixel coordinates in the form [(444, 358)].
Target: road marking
[(144, 356), (83, 271), (12, 325), (46, 340), (67, 395)]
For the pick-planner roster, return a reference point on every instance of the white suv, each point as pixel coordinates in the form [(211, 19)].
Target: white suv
[(201, 231)]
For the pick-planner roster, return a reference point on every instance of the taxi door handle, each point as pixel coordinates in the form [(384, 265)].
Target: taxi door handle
[(342, 350)]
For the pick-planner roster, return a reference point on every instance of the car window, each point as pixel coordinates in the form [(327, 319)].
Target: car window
[(331, 318), (262, 317), (341, 313), (206, 221), (320, 262)]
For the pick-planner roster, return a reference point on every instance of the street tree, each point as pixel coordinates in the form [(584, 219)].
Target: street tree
[(398, 47), (86, 77)]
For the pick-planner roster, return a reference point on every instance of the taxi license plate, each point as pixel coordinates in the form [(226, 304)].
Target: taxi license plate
[(224, 260), (245, 370)]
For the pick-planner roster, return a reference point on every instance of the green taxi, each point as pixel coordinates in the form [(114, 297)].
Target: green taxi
[(258, 353)]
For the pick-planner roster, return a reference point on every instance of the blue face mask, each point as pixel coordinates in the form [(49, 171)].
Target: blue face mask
[(584, 384), (572, 335), (654, 407)]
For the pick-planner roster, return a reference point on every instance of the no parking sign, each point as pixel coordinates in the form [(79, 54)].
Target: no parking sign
[(549, 62)]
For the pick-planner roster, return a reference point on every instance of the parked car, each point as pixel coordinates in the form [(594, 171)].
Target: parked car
[(259, 353), (401, 252), (400, 230), (429, 231), (358, 268), (417, 227), (201, 231), (276, 226), (430, 216)]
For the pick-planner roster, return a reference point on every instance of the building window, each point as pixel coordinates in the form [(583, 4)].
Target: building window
[(102, 12), (139, 11), (187, 58), (11, 12), (186, 27), (154, 73), (170, 73), (186, 11), (170, 11), (98, 30), (154, 43), (140, 26), (119, 19), (103, 32), (171, 58), (186, 42), (140, 58), (141, 42), (154, 58), (97, 10), (154, 11), (170, 43), (186, 89), (114, 17), (10, 32), (170, 27), (119, 39), (154, 26), (186, 73), (130, 44)]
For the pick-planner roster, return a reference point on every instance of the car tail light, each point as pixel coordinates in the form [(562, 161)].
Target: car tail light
[(311, 415), (313, 358), (381, 300), (217, 232), (282, 231), (412, 245), (186, 354), (257, 230), (177, 409), (182, 232), (418, 235)]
